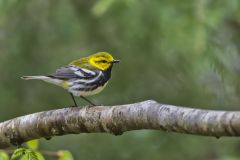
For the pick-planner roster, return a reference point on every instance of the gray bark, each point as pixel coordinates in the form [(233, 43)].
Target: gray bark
[(117, 120)]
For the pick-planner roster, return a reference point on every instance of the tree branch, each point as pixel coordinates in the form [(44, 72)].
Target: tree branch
[(118, 119)]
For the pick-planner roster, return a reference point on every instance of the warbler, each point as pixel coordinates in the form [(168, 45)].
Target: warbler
[(82, 77)]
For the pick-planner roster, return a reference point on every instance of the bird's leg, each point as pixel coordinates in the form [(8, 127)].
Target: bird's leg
[(73, 99), (88, 100)]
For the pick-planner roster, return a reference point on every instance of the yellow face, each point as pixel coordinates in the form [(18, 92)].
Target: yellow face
[(102, 60)]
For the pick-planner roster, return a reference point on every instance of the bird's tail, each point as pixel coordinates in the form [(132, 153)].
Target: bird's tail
[(34, 77), (46, 79)]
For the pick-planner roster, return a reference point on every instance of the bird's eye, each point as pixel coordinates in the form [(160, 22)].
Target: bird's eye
[(102, 61)]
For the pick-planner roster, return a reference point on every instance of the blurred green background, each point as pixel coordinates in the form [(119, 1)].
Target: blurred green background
[(176, 52)]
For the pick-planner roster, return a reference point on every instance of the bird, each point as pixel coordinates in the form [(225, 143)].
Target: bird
[(82, 77)]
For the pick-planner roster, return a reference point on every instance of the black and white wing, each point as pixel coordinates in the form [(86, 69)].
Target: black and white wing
[(72, 72)]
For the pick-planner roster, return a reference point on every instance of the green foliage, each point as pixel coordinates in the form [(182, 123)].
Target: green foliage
[(40, 156), (4, 155), (101, 6), (33, 144), (18, 153), (26, 154), (32, 153), (65, 155), (29, 155)]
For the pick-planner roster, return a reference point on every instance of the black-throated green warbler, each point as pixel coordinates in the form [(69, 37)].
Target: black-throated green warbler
[(82, 77)]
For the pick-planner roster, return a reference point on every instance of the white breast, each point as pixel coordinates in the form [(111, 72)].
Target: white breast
[(88, 93)]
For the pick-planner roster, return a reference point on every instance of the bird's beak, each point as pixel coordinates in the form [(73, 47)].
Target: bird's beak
[(116, 61)]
